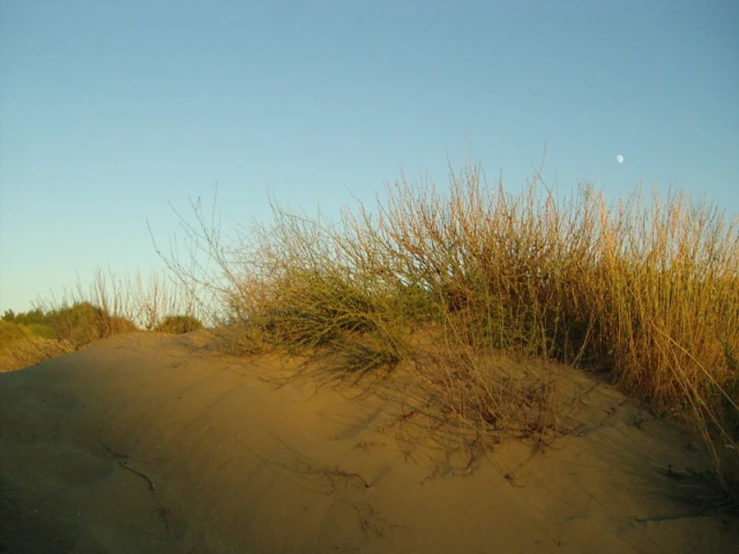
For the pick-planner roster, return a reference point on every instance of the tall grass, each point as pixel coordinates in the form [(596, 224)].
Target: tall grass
[(646, 288), (108, 306), (123, 303)]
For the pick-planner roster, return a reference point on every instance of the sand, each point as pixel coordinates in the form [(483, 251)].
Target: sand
[(149, 443)]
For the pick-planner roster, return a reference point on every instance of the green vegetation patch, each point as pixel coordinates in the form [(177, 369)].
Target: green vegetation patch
[(179, 324)]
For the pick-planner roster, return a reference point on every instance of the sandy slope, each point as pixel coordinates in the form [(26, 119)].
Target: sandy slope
[(145, 443)]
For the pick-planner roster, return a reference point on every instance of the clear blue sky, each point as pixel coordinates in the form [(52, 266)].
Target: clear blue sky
[(110, 110)]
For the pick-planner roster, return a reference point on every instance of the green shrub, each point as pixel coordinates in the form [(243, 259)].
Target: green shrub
[(30, 317), (28, 351), (179, 324), (11, 332), (42, 330), (34, 322), (83, 323)]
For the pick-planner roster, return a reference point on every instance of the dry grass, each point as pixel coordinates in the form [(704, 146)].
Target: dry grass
[(28, 351), (108, 307), (124, 304), (646, 289)]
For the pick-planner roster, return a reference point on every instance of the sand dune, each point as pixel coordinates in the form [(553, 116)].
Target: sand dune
[(148, 443)]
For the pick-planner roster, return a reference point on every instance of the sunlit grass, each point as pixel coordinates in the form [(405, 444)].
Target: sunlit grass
[(109, 306), (430, 285), (646, 288)]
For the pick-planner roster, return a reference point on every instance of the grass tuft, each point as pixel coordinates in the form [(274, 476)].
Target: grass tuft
[(645, 288), (179, 324)]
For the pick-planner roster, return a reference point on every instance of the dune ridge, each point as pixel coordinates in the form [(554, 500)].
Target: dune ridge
[(156, 443)]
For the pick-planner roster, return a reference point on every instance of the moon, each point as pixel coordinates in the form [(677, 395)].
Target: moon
[(620, 159)]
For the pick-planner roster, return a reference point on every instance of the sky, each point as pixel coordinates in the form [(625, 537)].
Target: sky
[(115, 114)]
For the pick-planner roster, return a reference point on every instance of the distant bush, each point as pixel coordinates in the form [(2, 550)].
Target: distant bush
[(11, 332), (28, 351), (179, 324), (23, 345), (41, 330), (31, 317), (80, 323), (83, 323)]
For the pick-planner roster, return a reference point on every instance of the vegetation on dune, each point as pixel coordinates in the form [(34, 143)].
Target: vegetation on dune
[(33, 323), (109, 307), (646, 289), (83, 323), (179, 324), (78, 324), (430, 285), (36, 335), (11, 332)]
